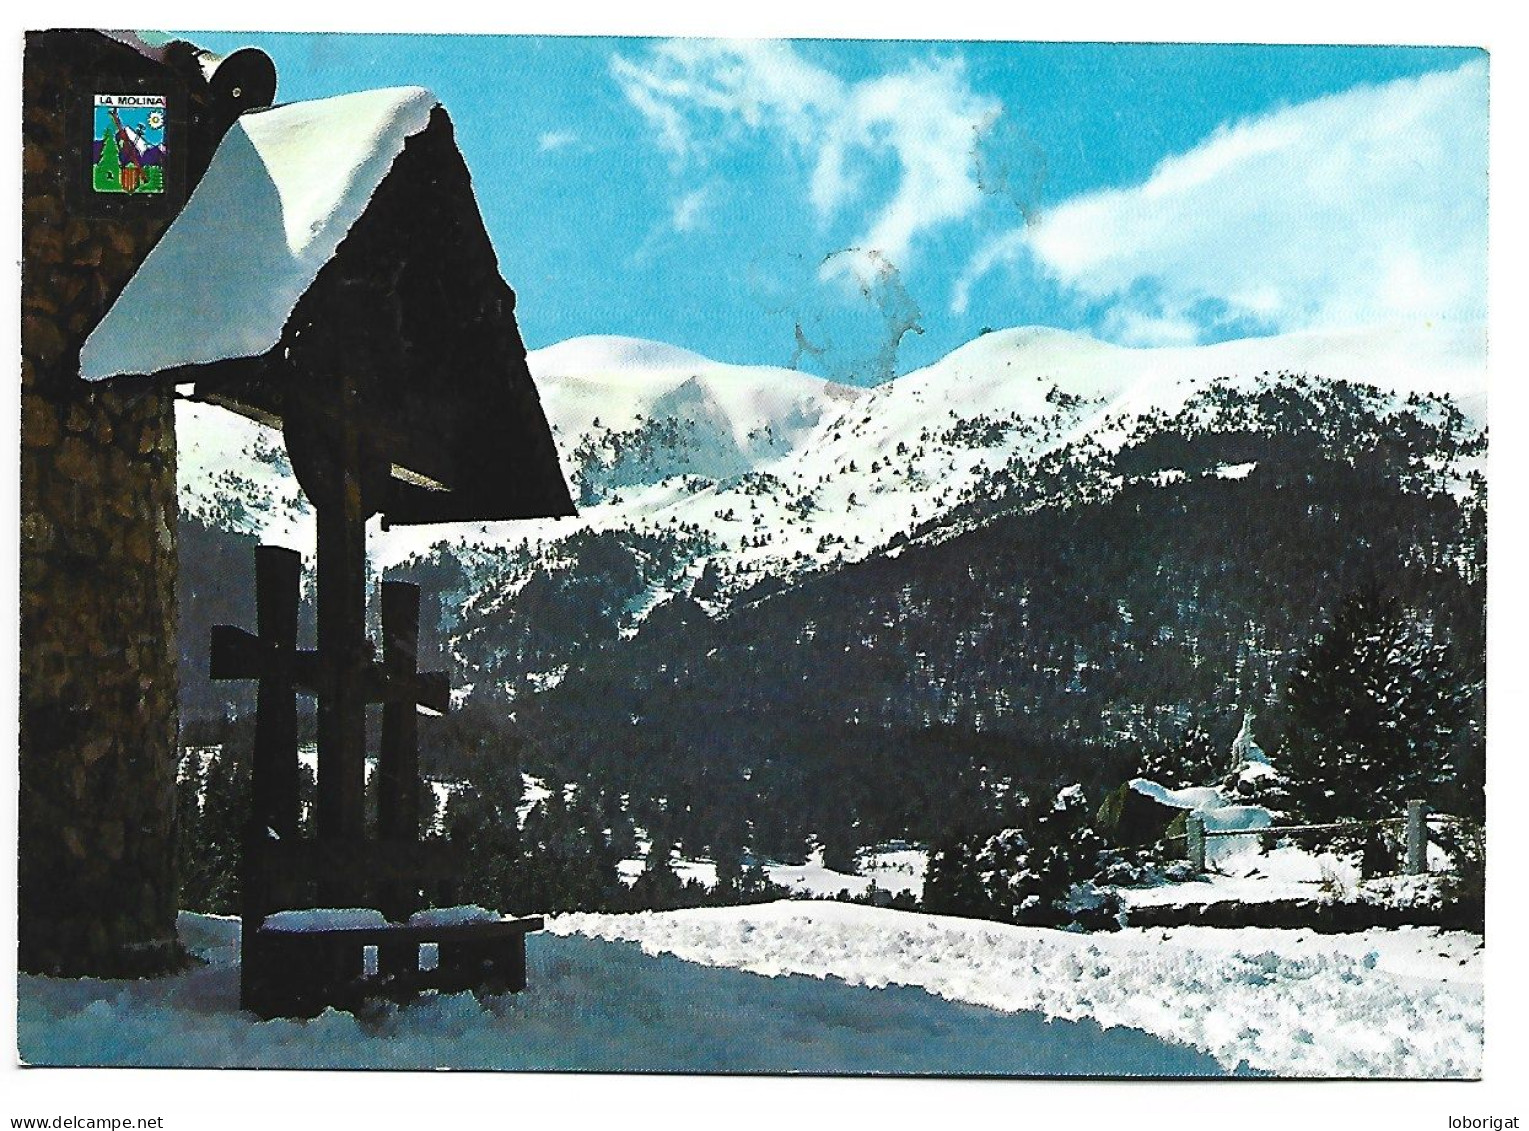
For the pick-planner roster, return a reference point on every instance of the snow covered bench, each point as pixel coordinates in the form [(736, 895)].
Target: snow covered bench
[(311, 937), (311, 958), (299, 959)]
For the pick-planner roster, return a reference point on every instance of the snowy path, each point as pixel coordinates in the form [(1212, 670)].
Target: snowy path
[(591, 1005), (824, 987), (1402, 1003)]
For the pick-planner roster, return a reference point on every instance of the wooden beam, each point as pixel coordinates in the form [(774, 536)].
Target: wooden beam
[(342, 642), (237, 654), (274, 773), (398, 757)]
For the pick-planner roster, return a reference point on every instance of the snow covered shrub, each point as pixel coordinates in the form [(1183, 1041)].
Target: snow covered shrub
[(1335, 885), (1042, 871), (1136, 868)]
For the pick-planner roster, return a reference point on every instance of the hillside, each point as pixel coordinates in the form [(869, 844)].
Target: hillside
[(824, 610)]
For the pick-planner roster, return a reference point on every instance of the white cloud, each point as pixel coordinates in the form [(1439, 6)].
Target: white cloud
[(704, 97), (554, 140), (689, 210), (1360, 207)]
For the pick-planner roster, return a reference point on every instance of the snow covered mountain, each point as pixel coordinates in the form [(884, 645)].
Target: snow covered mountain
[(710, 481), (631, 414), (780, 469), (784, 472)]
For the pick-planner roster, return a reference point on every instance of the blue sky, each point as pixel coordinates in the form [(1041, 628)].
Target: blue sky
[(860, 208)]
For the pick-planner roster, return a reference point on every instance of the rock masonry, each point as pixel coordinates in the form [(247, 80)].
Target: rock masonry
[(97, 884)]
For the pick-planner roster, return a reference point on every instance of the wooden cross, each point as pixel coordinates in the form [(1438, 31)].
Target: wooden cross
[(272, 657)]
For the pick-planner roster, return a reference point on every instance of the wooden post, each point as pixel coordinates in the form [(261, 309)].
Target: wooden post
[(273, 775), (272, 658), (1194, 841), (1417, 838), (398, 759), (344, 653)]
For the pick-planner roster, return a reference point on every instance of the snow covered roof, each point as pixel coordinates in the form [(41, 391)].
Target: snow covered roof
[(1198, 798), (343, 235), (281, 193)]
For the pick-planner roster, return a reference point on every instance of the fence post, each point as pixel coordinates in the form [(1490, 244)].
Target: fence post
[(1194, 841), (1417, 838)]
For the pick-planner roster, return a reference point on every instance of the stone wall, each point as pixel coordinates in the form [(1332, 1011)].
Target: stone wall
[(97, 889)]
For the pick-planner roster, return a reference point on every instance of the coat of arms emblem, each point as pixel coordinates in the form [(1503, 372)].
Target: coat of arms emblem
[(128, 145)]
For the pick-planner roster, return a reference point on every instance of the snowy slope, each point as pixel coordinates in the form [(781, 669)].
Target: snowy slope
[(907, 451), (825, 987), (776, 472), (613, 389), (1401, 1003), (235, 473)]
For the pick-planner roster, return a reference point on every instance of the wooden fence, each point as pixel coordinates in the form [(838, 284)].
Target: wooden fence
[(1416, 821)]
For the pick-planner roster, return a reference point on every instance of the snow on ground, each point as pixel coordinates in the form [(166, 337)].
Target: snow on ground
[(814, 879), (830, 987), (1252, 875), (896, 869), (703, 872), (893, 870), (1404, 1003), (590, 1005), (1256, 877)]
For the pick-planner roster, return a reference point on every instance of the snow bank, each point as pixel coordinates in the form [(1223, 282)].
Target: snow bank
[(453, 916), (1288, 1002), (1256, 877), (590, 1005), (826, 987), (283, 189), (324, 919)]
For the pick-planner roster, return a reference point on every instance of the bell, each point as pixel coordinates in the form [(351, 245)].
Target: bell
[(245, 79)]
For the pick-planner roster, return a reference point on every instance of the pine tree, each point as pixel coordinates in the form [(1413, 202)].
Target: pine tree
[(1191, 759), (482, 813), (226, 806), (191, 861), (658, 888), (1374, 707), (731, 850), (107, 171), (1038, 871)]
